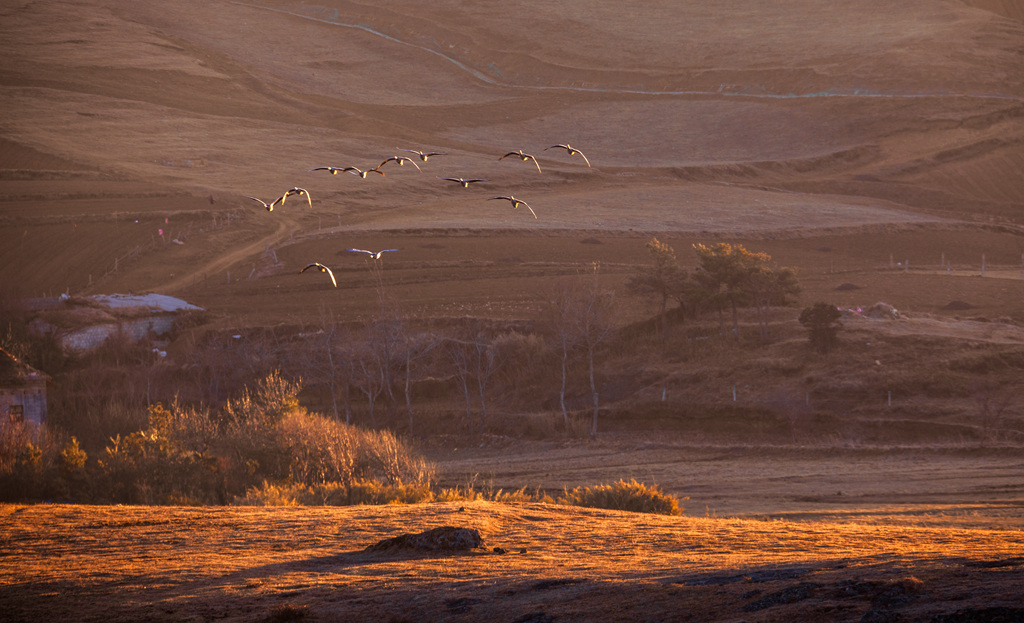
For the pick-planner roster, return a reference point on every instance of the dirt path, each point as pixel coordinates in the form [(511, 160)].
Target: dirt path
[(234, 255)]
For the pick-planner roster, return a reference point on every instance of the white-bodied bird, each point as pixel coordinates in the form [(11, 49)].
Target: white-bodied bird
[(400, 160), (374, 254), (571, 150), (291, 191), (424, 155), (323, 269), (268, 206), (524, 157), (516, 203), (295, 191), (465, 182), (361, 173)]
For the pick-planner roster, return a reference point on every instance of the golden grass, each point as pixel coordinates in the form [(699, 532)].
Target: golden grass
[(180, 562)]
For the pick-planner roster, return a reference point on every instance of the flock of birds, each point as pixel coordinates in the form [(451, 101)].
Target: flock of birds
[(400, 161)]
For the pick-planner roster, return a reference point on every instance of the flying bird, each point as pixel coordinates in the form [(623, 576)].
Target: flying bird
[(333, 170), (294, 191), (516, 203), (290, 191), (524, 157), (268, 206), (374, 254), (401, 160), (465, 183), (571, 150), (424, 155), (323, 269), (361, 173)]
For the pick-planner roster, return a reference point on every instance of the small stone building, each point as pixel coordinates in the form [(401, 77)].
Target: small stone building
[(22, 390)]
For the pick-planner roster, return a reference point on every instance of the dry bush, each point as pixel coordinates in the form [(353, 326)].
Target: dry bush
[(270, 494), (368, 492), (271, 399), (630, 496), (381, 456), (375, 492), (319, 449), (189, 456), (36, 464)]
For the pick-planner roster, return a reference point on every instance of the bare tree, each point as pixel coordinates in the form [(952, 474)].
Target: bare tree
[(993, 398), (459, 355), (594, 311), (476, 360), (488, 361), (330, 362), (415, 347), (580, 316), (370, 377), (563, 332)]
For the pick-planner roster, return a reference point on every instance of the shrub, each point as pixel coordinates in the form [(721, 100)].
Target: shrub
[(30, 463), (630, 496), (822, 322), (190, 456), (172, 461), (370, 492)]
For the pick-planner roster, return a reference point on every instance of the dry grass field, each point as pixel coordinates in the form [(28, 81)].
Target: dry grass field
[(559, 564), (866, 144)]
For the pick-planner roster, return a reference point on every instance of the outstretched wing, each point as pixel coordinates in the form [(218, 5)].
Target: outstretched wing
[(300, 191), (323, 269), (268, 206), (360, 251)]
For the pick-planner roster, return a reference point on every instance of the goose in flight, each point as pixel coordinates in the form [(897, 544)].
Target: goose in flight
[(295, 191), (572, 151), (361, 173), (465, 182), (333, 170), (424, 155), (516, 203), (524, 157), (401, 160), (268, 206), (374, 254), (323, 269)]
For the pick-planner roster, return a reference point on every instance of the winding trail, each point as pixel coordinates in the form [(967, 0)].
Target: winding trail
[(230, 258)]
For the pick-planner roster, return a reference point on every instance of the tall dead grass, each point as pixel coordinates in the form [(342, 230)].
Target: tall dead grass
[(629, 496)]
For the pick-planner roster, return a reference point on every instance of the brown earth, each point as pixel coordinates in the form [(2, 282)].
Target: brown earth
[(862, 143)]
